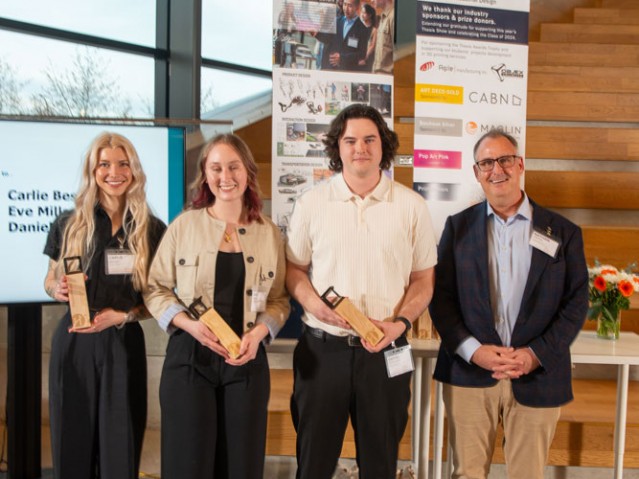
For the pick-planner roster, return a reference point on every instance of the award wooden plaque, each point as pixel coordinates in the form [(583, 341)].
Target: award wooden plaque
[(78, 303), (217, 326), (353, 316)]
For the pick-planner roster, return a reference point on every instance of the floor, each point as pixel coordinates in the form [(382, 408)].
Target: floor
[(277, 467), (283, 467)]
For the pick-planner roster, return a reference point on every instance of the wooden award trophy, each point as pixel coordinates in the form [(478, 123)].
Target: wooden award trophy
[(353, 316), (78, 303), (217, 326)]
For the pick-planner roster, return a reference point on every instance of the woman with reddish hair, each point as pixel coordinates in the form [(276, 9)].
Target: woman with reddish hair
[(224, 251)]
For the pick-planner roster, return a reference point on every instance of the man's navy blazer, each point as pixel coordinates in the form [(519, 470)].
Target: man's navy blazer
[(352, 47), (553, 308)]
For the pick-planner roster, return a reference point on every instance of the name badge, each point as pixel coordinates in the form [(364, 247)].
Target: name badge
[(399, 361), (352, 42), (258, 298), (119, 261), (545, 242)]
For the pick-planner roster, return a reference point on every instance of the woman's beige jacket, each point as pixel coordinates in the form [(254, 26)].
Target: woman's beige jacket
[(184, 269)]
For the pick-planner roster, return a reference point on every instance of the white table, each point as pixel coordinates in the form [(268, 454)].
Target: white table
[(425, 352), (587, 349)]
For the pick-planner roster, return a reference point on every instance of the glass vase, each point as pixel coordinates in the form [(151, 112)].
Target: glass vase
[(608, 328)]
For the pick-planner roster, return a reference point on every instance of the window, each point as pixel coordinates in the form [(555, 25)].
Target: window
[(56, 78), (238, 32), (221, 88), (123, 20)]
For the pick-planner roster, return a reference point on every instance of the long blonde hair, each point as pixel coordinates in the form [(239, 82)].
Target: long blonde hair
[(78, 238)]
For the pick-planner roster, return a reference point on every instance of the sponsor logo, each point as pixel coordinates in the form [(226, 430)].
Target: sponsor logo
[(473, 128), (446, 68), (427, 66), (429, 93), (438, 126), (437, 159), (431, 65), (503, 72), (494, 98), (438, 191)]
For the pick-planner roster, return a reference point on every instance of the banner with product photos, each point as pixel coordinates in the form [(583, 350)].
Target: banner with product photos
[(326, 55), (471, 73)]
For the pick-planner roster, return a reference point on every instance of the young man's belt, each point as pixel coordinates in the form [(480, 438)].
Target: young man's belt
[(352, 341)]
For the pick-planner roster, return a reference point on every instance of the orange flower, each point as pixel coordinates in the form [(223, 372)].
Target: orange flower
[(626, 288), (599, 283), (608, 271)]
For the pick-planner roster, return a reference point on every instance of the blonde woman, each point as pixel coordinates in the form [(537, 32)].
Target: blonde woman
[(224, 251), (97, 378)]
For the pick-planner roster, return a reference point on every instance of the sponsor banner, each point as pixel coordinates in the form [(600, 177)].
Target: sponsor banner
[(439, 126), (472, 23), (438, 191), (437, 159), (439, 93), (324, 59), (465, 86)]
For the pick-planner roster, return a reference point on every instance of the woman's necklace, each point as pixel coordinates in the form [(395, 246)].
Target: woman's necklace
[(228, 237)]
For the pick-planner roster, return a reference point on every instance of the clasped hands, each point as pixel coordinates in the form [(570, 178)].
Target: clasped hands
[(505, 362)]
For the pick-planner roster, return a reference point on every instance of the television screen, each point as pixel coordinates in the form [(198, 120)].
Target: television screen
[(40, 171)]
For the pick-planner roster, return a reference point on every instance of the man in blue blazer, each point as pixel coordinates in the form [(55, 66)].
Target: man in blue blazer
[(511, 294), (347, 46)]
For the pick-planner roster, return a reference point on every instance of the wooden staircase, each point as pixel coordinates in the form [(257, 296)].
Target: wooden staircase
[(584, 434), (587, 73)]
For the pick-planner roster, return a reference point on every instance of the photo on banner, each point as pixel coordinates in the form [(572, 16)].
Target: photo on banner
[(327, 55), (471, 73)]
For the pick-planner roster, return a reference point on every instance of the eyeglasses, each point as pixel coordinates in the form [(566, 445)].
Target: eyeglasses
[(489, 163)]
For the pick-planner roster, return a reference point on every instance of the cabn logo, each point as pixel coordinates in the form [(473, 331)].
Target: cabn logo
[(492, 98)]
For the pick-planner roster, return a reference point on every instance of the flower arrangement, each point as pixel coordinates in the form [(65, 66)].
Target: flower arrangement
[(609, 293)]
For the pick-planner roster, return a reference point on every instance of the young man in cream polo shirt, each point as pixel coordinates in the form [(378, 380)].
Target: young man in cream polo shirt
[(372, 240)]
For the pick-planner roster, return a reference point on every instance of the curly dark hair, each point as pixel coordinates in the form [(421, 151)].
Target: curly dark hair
[(390, 142)]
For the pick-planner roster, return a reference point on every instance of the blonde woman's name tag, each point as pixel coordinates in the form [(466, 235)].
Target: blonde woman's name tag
[(119, 261)]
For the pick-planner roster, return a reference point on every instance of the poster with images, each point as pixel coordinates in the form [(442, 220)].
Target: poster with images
[(471, 73), (327, 55)]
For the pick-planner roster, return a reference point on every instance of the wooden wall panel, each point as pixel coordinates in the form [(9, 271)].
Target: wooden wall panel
[(614, 245), (583, 79), (619, 144), (545, 11), (552, 53), (584, 33), (607, 16), (577, 106), (584, 189), (618, 3)]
